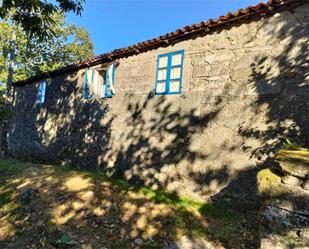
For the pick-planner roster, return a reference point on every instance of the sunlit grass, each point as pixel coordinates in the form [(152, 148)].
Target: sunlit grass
[(161, 196), (184, 216)]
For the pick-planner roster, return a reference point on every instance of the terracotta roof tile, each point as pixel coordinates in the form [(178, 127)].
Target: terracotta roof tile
[(268, 8)]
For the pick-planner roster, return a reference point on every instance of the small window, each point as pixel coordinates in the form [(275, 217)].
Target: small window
[(94, 85), (41, 92), (169, 73)]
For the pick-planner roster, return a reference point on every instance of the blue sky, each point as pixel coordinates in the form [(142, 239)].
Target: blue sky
[(119, 23)]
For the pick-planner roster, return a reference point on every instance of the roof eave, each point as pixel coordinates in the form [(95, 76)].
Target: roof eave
[(201, 29)]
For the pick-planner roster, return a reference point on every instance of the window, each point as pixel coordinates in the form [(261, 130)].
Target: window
[(94, 85), (41, 92), (169, 73)]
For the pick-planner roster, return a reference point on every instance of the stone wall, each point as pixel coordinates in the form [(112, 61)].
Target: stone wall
[(284, 190), (245, 89)]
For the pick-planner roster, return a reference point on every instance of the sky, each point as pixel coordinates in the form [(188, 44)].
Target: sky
[(120, 23)]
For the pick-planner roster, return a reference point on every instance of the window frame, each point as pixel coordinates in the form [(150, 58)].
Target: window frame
[(169, 68), (41, 92), (105, 85)]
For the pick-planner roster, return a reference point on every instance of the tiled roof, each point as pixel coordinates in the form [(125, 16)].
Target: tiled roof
[(199, 29)]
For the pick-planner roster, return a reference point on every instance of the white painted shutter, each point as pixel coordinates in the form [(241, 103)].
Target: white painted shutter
[(110, 78)]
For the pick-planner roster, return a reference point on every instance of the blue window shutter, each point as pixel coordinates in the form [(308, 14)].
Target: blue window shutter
[(171, 84), (106, 84), (108, 93), (41, 92), (87, 94)]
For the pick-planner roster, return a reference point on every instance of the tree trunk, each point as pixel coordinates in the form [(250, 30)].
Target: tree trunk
[(6, 124), (11, 65)]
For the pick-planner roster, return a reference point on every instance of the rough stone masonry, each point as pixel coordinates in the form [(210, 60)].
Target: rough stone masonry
[(245, 89)]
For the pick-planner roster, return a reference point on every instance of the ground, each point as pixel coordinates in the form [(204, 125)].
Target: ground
[(43, 206)]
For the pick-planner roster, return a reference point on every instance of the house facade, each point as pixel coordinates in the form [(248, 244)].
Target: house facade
[(191, 111)]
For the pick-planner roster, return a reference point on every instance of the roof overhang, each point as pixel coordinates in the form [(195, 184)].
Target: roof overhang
[(200, 29)]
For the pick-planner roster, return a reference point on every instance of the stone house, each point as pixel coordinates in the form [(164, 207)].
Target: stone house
[(196, 111)]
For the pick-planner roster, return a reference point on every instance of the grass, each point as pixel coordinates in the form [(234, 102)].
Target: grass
[(289, 145), (130, 211), (161, 196), (5, 198)]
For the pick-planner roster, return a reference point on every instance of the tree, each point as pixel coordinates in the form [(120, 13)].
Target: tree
[(33, 55), (34, 23), (35, 17), (81, 45), (4, 112)]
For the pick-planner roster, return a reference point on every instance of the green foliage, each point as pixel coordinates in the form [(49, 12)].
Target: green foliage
[(33, 55), (81, 45), (5, 197), (35, 17), (66, 239), (5, 111), (290, 145)]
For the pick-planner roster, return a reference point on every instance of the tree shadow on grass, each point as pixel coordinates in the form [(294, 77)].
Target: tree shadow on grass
[(94, 210)]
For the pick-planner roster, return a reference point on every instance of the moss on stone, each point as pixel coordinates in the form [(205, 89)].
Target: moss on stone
[(268, 182)]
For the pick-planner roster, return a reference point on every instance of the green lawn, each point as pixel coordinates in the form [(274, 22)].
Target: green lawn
[(82, 209)]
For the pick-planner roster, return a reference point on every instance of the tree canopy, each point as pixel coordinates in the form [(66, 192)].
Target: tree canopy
[(35, 17), (34, 55)]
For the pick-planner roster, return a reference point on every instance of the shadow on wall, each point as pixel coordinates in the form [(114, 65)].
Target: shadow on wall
[(285, 74), (282, 108), (155, 141), (154, 150), (65, 129)]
